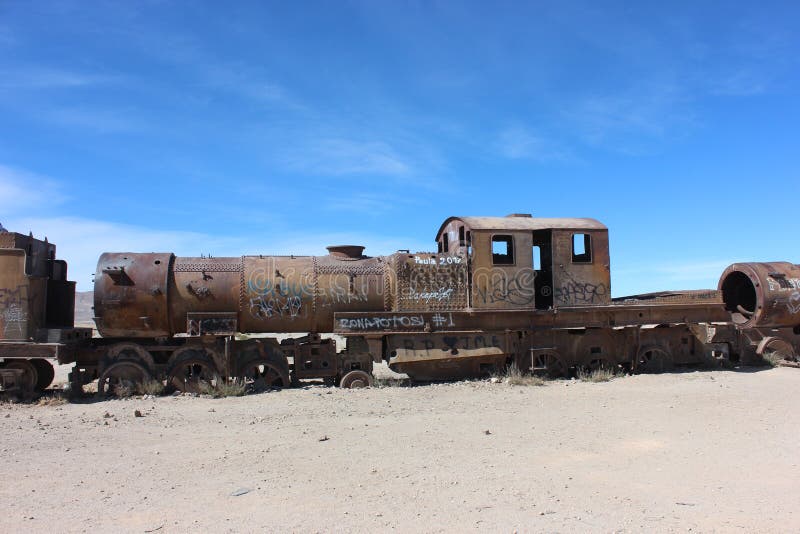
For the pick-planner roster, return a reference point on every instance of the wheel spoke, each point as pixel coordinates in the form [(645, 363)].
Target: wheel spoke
[(122, 378), (261, 374)]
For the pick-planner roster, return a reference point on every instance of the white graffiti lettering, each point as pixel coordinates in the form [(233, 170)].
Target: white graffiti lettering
[(382, 323), (440, 320), (442, 260), (438, 295), (794, 302)]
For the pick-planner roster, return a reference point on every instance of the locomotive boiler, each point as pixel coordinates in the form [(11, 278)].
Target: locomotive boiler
[(155, 295)]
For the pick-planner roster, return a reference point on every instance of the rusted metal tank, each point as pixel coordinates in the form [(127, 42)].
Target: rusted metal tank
[(159, 294), (763, 294)]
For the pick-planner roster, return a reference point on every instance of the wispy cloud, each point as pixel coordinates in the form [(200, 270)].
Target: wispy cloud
[(624, 121), (32, 202), (80, 241), (341, 156), (374, 204), (667, 276), (743, 82), (99, 120), (243, 81), (203, 67), (518, 142), (33, 78), (20, 190)]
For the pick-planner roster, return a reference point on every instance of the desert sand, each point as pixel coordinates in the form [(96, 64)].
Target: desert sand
[(693, 451)]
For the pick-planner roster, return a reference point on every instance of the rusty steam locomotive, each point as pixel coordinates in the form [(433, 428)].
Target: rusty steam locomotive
[(499, 291)]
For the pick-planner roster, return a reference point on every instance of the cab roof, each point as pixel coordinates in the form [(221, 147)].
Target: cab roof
[(525, 222)]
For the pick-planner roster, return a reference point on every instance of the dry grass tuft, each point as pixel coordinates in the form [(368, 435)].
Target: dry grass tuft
[(595, 375), (234, 388), (56, 399), (390, 382), (772, 358), (514, 377), (122, 391), (150, 387)]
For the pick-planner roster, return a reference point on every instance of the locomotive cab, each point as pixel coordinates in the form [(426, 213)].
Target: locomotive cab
[(521, 262)]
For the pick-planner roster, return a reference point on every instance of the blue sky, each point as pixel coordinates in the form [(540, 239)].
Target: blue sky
[(280, 127)]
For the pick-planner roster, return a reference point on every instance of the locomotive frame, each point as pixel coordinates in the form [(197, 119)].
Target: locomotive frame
[(499, 291)]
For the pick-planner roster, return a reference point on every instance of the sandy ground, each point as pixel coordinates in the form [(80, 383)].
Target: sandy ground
[(697, 451)]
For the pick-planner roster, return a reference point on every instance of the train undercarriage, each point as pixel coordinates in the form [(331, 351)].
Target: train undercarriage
[(201, 364)]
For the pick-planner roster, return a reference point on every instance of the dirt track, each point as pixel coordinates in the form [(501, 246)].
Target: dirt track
[(702, 451)]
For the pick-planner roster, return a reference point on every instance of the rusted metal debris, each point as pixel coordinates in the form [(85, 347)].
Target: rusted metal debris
[(499, 291), (763, 294)]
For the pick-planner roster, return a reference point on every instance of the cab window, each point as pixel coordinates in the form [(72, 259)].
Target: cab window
[(581, 248), (502, 250)]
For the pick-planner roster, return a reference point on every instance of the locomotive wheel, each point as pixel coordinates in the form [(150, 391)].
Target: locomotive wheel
[(194, 372), (261, 374), (653, 359), (30, 375), (548, 363), (130, 352), (45, 371), (121, 379), (356, 379)]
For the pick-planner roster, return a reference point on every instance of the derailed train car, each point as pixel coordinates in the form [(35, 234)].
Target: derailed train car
[(515, 290)]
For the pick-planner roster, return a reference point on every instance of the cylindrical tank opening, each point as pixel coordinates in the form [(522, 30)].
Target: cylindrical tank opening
[(739, 296), (350, 252)]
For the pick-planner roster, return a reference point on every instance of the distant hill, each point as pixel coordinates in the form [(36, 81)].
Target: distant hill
[(84, 314)]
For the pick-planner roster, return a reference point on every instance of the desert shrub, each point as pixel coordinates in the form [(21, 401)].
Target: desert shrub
[(56, 399), (514, 377), (150, 387), (233, 388), (601, 374), (122, 391), (390, 382)]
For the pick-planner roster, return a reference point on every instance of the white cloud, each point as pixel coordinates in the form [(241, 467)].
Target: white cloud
[(49, 78), (99, 120), (31, 203), (243, 82), (743, 82), (338, 156), (80, 242), (520, 143), (667, 276), (628, 120), (21, 191), (205, 68)]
